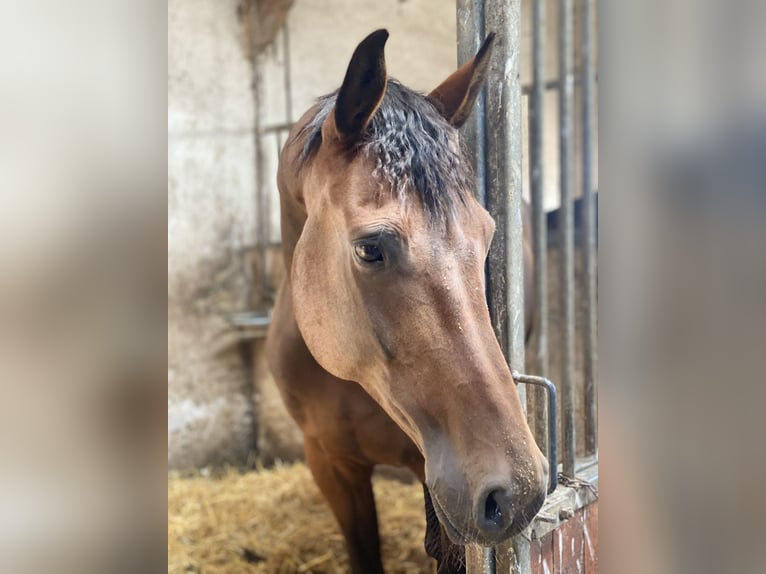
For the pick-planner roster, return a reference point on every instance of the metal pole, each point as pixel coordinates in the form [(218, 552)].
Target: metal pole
[(504, 183), (470, 34), (566, 231), (588, 83), (288, 77), (539, 227), (504, 188), (261, 195), (479, 559)]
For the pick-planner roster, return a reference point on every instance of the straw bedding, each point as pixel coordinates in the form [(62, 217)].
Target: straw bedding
[(276, 521)]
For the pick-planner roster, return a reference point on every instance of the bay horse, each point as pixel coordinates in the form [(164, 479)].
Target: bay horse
[(381, 343)]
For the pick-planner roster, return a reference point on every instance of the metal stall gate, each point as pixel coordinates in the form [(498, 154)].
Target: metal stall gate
[(563, 537)]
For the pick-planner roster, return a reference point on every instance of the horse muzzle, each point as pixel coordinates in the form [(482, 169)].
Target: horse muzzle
[(500, 508)]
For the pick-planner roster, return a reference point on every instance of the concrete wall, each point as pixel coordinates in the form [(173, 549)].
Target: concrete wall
[(211, 227)]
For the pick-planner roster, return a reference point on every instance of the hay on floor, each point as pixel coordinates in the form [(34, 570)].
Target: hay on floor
[(276, 521)]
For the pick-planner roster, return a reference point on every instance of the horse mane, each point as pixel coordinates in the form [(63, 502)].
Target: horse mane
[(415, 149)]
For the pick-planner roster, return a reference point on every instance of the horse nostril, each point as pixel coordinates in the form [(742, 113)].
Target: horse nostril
[(493, 514)]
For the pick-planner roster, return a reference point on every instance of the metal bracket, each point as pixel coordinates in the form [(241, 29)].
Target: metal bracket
[(552, 422), (250, 324)]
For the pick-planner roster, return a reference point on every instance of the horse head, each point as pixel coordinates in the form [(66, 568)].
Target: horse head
[(388, 288)]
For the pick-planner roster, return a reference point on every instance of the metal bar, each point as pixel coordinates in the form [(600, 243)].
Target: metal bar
[(280, 127), (470, 35), (504, 190), (465, 133), (479, 559), (548, 85), (250, 324), (504, 181), (280, 142), (288, 80), (546, 386), (588, 108), (566, 230), (261, 195), (539, 222)]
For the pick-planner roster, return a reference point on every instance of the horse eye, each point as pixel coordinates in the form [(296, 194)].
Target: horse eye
[(368, 252)]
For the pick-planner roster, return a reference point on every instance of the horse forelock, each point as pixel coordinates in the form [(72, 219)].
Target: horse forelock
[(415, 150)]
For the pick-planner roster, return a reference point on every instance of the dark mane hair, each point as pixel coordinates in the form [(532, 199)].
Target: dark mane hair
[(415, 149)]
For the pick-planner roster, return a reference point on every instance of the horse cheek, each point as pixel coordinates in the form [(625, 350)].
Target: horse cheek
[(318, 298)]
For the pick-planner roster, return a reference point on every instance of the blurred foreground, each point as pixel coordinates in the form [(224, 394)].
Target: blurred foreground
[(82, 288)]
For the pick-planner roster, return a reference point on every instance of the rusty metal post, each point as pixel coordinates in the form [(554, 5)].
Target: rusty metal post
[(504, 190), (498, 168), (566, 231), (470, 35), (588, 115), (504, 183)]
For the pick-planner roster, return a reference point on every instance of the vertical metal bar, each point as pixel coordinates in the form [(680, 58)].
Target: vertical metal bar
[(504, 189), (479, 559), (261, 199), (504, 179), (566, 230), (588, 107), (539, 223), (470, 35), (288, 79)]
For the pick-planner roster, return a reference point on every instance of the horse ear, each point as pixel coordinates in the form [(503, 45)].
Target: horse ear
[(363, 87), (456, 95)]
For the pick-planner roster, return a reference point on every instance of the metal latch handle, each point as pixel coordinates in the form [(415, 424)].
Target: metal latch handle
[(552, 422)]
